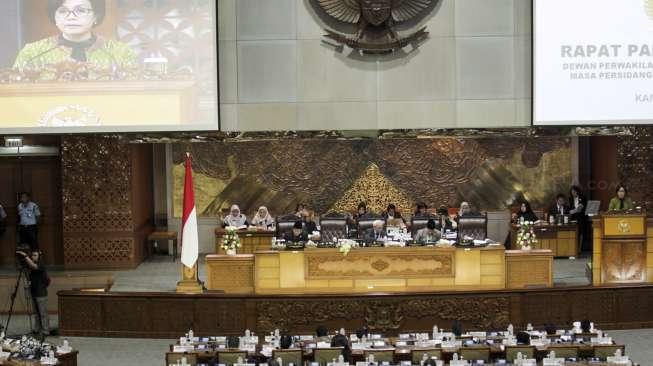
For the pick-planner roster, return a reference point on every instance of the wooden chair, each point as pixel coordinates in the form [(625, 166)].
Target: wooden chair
[(474, 353), (512, 351), (326, 355), (564, 351), (288, 356), (417, 354), (231, 357), (603, 352), (173, 357), (381, 355)]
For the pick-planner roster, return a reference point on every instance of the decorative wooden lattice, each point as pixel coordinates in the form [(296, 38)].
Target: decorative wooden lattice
[(183, 31), (96, 181), (98, 250)]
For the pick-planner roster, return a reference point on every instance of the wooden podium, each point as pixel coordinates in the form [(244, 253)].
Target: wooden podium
[(621, 253), (98, 104)]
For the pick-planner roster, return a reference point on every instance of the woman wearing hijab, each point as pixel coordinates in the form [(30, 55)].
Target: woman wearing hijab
[(526, 213), (263, 220), (235, 219)]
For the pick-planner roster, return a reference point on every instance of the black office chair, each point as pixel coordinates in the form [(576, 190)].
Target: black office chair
[(285, 224), (333, 225), (474, 226)]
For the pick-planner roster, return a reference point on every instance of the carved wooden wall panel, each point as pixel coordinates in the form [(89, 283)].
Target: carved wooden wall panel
[(337, 174), (106, 208), (635, 164), (167, 315)]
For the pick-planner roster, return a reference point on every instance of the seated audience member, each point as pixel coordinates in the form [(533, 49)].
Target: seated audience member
[(465, 209), (429, 234), (308, 221), (550, 329), (299, 208), (430, 362), (235, 218), (523, 338), (392, 214), (340, 340), (377, 232), (585, 326), (233, 342), (285, 342), (559, 207), (444, 221), (526, 213), (621, 202), (297, 234), (457, 328), (262, 219), (361, 211), (577, 202), (322, 333), (421, 210)]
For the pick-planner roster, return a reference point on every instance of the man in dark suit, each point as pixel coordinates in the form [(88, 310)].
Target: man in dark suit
[(297, 235), (559, 207)]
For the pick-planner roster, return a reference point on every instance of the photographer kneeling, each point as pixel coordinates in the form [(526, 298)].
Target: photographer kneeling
[(39, 282)]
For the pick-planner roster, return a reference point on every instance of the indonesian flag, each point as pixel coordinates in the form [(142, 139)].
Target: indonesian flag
[(189, 237)]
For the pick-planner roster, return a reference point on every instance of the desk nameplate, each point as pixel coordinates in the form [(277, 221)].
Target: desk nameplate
[(364, 264)]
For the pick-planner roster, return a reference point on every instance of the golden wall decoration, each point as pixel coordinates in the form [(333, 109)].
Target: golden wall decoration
[(334, 174), (376, 190)]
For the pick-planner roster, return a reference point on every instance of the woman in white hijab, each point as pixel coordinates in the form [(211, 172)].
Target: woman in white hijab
[(235, 218), (262, 219)]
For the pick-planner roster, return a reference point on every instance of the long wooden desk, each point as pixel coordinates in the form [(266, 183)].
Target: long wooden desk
[(370, 270), (561, 239), (252, 241)]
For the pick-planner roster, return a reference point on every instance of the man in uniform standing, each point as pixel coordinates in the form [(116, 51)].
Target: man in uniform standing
[(28, 214)]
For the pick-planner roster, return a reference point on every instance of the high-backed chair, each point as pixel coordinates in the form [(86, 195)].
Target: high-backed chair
[(381, 355), (512, 351), (231, 357), (333, 225), (564, 351), (474, 226), (475, 353), (366, 223), (285, 224), (604, 351), (417, 354), (288, 356), (173, 357), (326, 355), (419, 222)]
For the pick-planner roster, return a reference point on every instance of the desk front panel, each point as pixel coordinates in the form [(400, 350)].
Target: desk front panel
[(379, 269), (251, 241)]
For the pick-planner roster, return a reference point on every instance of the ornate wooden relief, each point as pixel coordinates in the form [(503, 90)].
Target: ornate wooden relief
[(96, 185), (635, 164), (182, 31), (623, 261), (326, 174), (93, 252), (375, 21), (370, 264), (384, 315)]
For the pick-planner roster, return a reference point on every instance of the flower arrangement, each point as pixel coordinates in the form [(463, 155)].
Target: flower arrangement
[(230, 241), (526, 235), (346, 245)]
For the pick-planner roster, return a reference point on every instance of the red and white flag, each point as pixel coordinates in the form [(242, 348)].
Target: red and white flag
[(189, 236)]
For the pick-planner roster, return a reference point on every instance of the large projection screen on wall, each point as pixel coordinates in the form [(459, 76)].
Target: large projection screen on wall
[(593, 62), (83, 66)]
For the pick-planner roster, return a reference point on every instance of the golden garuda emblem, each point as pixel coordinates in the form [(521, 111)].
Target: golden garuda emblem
[(376, 20)]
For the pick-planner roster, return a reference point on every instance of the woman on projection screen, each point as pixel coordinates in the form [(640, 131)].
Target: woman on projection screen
[(76, 43)]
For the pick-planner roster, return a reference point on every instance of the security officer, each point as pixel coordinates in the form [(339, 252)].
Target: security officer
[(28, 214)]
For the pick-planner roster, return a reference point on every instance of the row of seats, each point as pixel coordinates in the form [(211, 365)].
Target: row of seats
[(325, 355), (336, 226)]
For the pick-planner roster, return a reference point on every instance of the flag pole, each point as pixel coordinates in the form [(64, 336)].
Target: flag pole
[(189, 282)]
